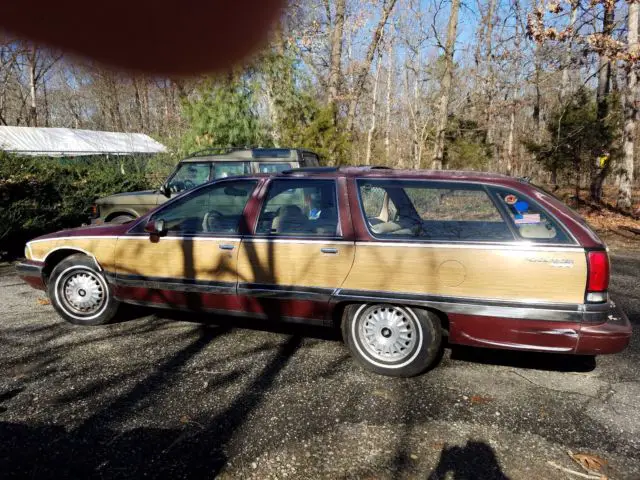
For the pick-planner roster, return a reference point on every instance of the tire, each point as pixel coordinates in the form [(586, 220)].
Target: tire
[(80, 293), (414, 338), (120, 219)]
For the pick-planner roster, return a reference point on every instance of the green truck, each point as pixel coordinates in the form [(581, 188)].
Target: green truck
[(197, 169)]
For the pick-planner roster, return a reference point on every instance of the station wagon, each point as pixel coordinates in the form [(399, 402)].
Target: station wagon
[(399, 260)]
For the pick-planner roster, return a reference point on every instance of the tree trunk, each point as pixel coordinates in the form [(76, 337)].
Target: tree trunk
[(33, 108), (631, 99), (336, 53), (138, 103), (602, 97), (445, 90), (564, 86), (365, 67), (387, 130), (489, 80), (374, 107)]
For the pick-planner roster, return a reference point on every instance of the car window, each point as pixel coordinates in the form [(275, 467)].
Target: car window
[(431, 211), (213, 209), (229, 169), (300, 207), (530, 220), (189, 175), (310, 159), (377, 204), (264, 167)]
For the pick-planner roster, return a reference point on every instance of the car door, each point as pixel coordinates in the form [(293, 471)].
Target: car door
[(453, 246), (194, 264), (299, 253)]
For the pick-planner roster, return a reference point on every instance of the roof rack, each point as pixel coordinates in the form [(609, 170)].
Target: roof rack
[(293, 171), (218, 151)]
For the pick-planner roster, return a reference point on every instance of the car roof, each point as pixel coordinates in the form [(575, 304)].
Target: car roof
[(386, 172)]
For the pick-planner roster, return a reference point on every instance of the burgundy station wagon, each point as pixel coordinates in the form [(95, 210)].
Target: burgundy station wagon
[(398, 259)]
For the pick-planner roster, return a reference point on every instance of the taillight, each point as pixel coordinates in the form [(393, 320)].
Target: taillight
[(598, 281), (94, 211)]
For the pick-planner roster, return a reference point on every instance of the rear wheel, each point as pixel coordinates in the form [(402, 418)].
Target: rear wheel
[(80, 293), (392, 339)]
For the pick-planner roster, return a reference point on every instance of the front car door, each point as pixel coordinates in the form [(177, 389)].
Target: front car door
[(300, 252), (194, 265), (504, 272)]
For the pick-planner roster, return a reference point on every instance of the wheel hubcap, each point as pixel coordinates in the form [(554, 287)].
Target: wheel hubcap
[(83, 292), (387, 333)]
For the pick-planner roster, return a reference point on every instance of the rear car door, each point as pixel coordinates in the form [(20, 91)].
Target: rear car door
[(195, 264), (300, 251), (456, 246)]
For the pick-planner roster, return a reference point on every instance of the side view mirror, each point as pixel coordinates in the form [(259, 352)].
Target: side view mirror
[(155, 227), (165, 190)]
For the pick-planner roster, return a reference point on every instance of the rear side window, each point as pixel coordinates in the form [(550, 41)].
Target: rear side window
[(265, 167), (431, 211), (300, 208), (531, 221), (229, 169)]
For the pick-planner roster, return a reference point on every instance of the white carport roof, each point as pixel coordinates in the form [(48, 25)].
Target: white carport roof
[(69, 142)]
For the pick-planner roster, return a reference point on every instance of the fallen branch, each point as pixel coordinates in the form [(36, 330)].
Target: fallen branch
[(573, 472)]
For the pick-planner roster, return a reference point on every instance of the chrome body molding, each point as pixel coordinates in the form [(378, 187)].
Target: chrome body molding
[(231, 313), (552, 312), (174, 284), (555, 312)]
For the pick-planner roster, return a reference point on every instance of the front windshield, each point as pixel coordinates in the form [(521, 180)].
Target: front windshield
[(188, 176)]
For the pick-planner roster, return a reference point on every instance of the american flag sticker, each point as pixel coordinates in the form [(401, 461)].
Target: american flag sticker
[(527, 218)]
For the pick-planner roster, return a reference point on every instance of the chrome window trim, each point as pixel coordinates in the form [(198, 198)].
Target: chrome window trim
[(494, 189), (484, 186), (524, 246)]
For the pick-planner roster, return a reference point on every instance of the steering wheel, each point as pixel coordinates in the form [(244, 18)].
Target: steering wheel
[(188, 184), (210, 219)]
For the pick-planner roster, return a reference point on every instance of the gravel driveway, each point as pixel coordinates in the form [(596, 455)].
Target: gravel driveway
[(163, 395)]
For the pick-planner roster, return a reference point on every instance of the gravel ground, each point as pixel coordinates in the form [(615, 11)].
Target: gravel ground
[(180, 396)]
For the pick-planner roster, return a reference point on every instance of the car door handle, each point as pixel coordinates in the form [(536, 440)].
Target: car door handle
[(226, 246), (329, 250)]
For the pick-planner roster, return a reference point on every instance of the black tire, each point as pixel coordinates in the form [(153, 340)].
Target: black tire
[(413, 341), (120, 219), (80, 293)]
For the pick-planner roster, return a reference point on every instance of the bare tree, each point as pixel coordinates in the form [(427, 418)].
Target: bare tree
[(361, 73), (631, 99), (374, 107), (337, 33), (445, 91)]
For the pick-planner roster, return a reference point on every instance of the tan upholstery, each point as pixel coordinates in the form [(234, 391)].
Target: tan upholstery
[(290, 219)]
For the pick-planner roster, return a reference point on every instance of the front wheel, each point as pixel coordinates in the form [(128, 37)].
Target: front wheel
[(392, 340), (80, 293)]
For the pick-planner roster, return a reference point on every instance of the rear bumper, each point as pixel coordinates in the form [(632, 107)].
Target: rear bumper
[(31, 272), (613, 336)]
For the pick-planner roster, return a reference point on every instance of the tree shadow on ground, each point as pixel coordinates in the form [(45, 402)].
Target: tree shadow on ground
[(475, 460), (265, 325), (99, 447)]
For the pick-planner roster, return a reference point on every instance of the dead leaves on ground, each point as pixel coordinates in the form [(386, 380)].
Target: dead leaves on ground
[(480, 400), (44, 301), (590, 463)]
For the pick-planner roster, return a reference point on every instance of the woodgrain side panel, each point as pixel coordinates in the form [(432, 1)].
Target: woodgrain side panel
[(505, 274), (300, 264), (198, 258), (39, 250), (102, 249)]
